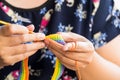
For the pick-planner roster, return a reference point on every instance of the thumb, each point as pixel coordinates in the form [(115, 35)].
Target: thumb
[(72, 37), (31, 27)]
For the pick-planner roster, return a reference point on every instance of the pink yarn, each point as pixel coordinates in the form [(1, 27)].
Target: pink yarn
[(4, 8), (15, 74), (95, 0), (67, 78), (44, 23)]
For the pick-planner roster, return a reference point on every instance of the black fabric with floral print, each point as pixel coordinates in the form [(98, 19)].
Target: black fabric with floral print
[(96, 20)]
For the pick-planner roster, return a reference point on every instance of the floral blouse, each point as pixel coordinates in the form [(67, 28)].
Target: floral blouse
[(97, 20)]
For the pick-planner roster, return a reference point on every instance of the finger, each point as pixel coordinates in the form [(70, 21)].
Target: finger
[(31, 27), (69, 36), (11, 29), (62, 58), (81, 57), (53, 44), (57, 49), (67, 62), (68, 66), (23, 48), (78, 46), (18, 39), (16, 58)]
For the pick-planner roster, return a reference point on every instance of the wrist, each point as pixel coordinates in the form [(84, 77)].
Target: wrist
[(100, 69)]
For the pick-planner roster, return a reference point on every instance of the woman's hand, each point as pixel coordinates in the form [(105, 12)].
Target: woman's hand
[(12, 43), (77, 48)]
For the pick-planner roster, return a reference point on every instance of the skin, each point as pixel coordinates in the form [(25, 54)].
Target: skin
[(12, 37), (12, 47), (30, 3), (92, 64), (76, 49)]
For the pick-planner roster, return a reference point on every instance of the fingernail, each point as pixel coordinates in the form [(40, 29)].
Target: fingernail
[(42, 45), (46, 42), (65, 48), (40, 36), (31, 27)]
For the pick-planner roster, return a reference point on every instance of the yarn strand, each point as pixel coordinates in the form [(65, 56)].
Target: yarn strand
[(59, 68)]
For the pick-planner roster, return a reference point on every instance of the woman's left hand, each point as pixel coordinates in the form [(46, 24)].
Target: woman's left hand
[(77, 48)]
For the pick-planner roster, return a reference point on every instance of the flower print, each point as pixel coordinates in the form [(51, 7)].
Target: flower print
[(68, 28), (103, 36), (10, 77), (84, 1), (116, 22), (3, 7), (95, 0), (116, 4), (96, 4), (45, 20), (91, 23), (15, 74), (110, 9), (16, 17), (116, 13), (51, 56), (13, 15), (65, 76), (80, 13), (34, 72), (61, 27), (43, 10), (58, 4), (110, 13), (99, 39), (59, 1), (70, 3)]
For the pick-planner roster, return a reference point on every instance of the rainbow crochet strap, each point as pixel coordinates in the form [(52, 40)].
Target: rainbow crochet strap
[(24, 70), (59, 68)]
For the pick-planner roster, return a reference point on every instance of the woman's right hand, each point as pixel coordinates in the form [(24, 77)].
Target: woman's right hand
[(12, 43)]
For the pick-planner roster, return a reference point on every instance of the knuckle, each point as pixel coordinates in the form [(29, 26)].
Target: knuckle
[(22, 38), (62, 58), (41, 45), (26, 37), (12, 41), (24, 47), (10, 29), (38, 36), (14, 51), (66, 54)]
